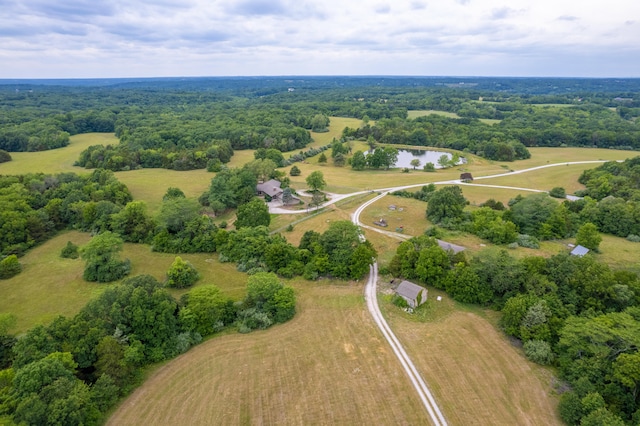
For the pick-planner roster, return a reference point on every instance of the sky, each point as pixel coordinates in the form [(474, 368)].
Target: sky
[(165, 38)]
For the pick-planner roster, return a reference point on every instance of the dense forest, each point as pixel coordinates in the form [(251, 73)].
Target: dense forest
[(197, 123)]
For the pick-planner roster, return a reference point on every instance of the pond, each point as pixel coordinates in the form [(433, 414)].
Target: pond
[(406, 155)]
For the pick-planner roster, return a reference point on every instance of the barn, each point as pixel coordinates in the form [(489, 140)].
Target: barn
[(412, 293)]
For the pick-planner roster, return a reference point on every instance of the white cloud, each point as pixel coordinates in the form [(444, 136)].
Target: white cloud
[(93, 38)]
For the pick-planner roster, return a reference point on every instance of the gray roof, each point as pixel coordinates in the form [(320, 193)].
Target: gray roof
[(448, 246), (270, 187), (579, 251), (409, 290)]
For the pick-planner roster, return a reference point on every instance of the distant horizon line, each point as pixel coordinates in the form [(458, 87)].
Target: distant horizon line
[(285, 76)]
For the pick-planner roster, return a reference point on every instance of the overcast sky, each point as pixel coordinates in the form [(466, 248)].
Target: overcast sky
[(134, 38)]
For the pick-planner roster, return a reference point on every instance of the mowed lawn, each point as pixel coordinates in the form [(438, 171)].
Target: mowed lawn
[(329, 365), (50, 286)]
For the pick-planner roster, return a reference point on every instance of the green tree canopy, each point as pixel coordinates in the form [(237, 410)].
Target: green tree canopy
[(316, 181), (446, 204), (588, 236), (253, 213), (181, 274)]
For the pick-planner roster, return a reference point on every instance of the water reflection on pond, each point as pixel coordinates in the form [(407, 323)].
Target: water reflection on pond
[(406, 155)]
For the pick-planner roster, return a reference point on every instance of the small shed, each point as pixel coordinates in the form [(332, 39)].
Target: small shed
[(466, 177), (579, 251), (412, 293)]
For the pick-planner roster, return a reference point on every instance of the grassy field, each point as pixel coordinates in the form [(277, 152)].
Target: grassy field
[(475, 374), (50, 286), (409, 213), (56, 160), (423, 113), (149, 185), (336, 126), (256, 379), (545, 179), (329, 365)]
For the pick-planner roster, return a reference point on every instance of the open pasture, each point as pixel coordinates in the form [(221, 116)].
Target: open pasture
[(50, 286), (150, 185), (542, 156), (56, 160), (329, 365), (545, 179), (336, 126), (475, 374)]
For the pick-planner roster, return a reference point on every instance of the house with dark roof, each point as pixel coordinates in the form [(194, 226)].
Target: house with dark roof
[(579, 251), (270, 188), (412, 293)]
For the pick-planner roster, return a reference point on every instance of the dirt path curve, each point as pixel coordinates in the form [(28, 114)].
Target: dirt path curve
[(371, 296)]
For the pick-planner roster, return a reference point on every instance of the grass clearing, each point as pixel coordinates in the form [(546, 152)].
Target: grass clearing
[(479, 194), (50, 286), (490, 121), (336, 126), (619, 253), (545, 179), (409, 213), (542, 156), (150, 185), (56, 160), (329, 365), (422, 113), (475, 374)]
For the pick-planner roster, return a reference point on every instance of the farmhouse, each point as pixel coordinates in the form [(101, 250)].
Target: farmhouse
[(579, 251), (412, 293), (466, 177), (270, 188)]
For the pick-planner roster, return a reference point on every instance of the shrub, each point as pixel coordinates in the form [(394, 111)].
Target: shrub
[(429, 167), (181, 274), (558, 192), (405, 170), (4, 156), (538, 351), (107, 271), (528, 241), (289, 228), (223, 224), (433, 231), (399, 302), (633, 238), (9, 267), (70, 251), (295, 171)]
